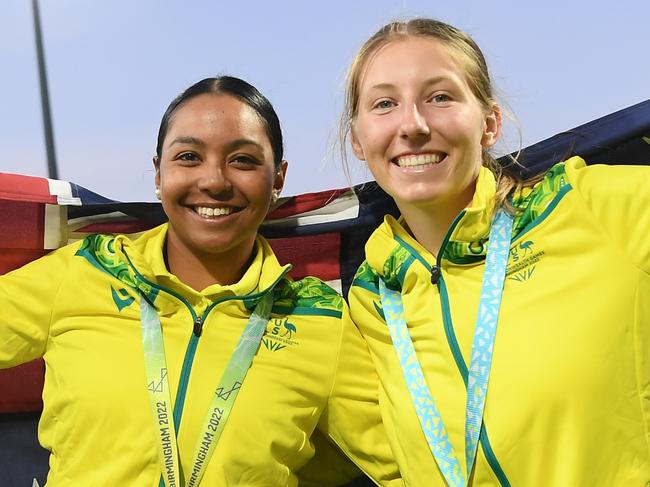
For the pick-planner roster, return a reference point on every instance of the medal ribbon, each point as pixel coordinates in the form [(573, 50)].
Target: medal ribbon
[(481, 358), (222, 401)]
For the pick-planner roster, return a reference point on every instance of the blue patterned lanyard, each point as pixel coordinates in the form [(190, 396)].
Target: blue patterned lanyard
[(481, 358)]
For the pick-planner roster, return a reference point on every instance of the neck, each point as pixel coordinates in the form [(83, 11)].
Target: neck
[(430, 223), (200, 270)]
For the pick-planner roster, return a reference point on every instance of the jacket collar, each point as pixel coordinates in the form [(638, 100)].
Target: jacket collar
[(474, 224), (147, 271), (391, 247), (385, 248)]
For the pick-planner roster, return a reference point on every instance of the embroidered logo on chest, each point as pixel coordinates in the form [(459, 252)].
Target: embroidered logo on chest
[(279, 334), (524, 258), (121, 298)]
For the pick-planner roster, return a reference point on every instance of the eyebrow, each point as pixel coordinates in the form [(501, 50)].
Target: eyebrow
[(234, 145), (431, 81), (186, 139)]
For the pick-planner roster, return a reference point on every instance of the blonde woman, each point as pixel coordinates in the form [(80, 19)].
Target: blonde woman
[(509, 320)]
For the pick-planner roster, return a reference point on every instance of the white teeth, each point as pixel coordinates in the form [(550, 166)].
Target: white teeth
[(418, 160), (206, 212)]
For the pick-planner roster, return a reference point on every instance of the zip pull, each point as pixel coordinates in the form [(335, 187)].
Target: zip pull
[(435, 274), (198, 326)]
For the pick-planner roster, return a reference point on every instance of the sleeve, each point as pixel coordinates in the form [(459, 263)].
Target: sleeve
[(352, 418), (27, 297), (619, 199), (366, 310)]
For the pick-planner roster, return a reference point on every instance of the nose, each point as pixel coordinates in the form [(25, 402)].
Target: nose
[(413, 123), (214, 179)]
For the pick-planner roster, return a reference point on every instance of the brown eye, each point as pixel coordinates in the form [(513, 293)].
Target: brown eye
[(188, 156), (243, 160)]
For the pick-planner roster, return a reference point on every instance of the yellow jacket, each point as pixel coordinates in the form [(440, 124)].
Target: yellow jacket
[(568, 402), (78, 308)]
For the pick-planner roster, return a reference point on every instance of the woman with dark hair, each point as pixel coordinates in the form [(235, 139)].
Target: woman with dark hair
[(188, 356)]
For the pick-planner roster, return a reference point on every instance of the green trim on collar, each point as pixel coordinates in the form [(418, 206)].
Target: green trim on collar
[(299, 310), (366, 278), (99, 250), (308, 293), (399, 258), (533, 205), (539, 201), (401, 275), (365, 285), (551, 206), (413, 254)]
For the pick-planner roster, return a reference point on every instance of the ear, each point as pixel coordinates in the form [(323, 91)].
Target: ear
[(356, 146), (492, 128), (280, 175), (156, 166)]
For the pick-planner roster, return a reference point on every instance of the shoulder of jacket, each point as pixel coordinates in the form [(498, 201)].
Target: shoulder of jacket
[(100, 251), (366, 278), (395, 263), (54, 263), (554, 180), (308, 296), (535, 203)]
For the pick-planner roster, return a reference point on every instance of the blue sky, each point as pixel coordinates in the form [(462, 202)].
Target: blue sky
[(114, 66)]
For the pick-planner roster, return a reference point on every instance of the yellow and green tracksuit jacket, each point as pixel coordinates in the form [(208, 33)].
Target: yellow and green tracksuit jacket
[(568, 402), (78, 308)]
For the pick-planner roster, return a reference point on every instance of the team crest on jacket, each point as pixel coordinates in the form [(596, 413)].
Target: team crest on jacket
[(524, 258), (280, 333), (121, 298)]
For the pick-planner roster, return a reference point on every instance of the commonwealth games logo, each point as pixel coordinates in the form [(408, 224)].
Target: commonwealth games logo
[(279, 334), (523, 261)]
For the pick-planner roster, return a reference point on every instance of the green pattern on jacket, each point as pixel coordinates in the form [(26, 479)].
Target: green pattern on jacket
[(308, 292), (99, 250), (530, 204)]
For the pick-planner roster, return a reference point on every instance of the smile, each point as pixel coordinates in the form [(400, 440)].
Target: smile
[(209, 212), (419, 160)]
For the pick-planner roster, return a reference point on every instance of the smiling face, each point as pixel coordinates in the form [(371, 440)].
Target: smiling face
[(419, 126), (216, 176)]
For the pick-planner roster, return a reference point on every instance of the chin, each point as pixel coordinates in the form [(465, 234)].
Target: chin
[(417, 198), (214, 244), (220, 247)]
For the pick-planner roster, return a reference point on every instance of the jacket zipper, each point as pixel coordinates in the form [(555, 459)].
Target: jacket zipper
[(438, 279), (197, 330)]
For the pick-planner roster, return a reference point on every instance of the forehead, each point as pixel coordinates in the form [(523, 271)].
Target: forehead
[(408, 58), (220, 113)]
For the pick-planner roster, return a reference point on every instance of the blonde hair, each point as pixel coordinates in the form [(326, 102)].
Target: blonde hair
[(470, 59)]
